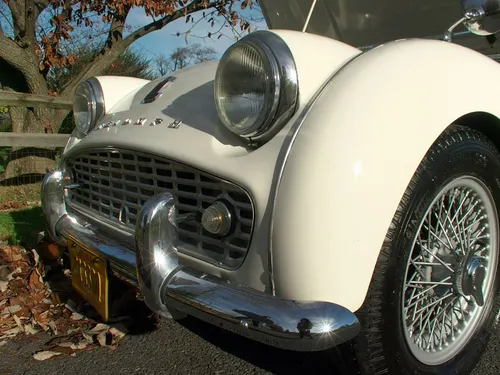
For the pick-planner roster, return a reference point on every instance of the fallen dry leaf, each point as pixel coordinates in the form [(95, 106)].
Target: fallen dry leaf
[(32, 300), (42, 356), (13, 205), (49, 250)]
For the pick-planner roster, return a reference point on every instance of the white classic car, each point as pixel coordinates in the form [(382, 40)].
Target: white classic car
[(332, 181)]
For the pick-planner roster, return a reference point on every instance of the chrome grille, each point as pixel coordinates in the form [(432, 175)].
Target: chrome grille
[(116, 183)]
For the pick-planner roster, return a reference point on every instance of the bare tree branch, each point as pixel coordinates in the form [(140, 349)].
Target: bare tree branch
[(116, 45), (19, 22), (193, 7), (110, 51), (11, 52), (22, 60), (6, 19), (66, 8), (41, 4), (31, 16)]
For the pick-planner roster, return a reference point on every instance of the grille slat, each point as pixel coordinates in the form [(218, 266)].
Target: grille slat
[(116, 183)]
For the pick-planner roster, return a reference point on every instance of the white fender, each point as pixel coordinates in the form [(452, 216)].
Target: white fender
[(116, 89), (354, 155)]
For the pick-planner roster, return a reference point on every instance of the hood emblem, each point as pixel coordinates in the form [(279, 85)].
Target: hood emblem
[(175, 124), (158, 90), (141, 121), (156, 121)]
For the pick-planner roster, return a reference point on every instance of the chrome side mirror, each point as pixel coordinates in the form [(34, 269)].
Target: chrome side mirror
[(481, 17)]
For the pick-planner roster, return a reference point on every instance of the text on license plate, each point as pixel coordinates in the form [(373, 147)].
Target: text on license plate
[(89, 276)]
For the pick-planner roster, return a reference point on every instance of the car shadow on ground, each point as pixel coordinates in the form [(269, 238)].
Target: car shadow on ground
[(276, 361)]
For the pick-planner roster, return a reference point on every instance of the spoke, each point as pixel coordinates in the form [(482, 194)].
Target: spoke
[(443, 328), (431, 338), (432, 310), (475, 221), (437, 283), (468, 212), (459, 209), (439, 218), (447, 216), (437, 238), (430, 264), (437, 258), (428, 290), (418, 269), (461, 234), (444, 231), (435, 302)]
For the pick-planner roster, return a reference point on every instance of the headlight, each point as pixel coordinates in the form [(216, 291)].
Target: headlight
[(256, 86), (88, 105)]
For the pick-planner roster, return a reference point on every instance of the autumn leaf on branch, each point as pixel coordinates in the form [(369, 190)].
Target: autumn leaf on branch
[(68, 14), (40, 40)]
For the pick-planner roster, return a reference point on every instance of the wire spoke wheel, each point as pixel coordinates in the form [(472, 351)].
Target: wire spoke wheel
[(450, 270)]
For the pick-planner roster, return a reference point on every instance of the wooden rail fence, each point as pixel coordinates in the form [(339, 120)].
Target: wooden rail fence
[(32, 140), (28, 157), (19, 99)]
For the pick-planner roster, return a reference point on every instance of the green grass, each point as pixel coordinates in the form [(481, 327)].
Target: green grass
[(6, 225), (21, 194), (22, 227)]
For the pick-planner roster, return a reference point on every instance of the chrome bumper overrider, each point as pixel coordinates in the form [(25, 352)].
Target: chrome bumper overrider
[(163, 280)]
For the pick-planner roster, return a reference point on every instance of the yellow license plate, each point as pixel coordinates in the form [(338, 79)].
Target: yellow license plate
[(89, 276)]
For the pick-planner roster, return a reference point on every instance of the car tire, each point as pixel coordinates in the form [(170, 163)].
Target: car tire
[(466, 163)]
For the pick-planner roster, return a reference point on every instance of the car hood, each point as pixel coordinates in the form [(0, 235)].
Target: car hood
[(364, 22), (190, 130)]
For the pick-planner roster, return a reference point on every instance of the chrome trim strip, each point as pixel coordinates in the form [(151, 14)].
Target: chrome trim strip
[(164, 283)]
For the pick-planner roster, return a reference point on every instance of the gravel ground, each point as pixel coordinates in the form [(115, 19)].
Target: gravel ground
[(191, 347)]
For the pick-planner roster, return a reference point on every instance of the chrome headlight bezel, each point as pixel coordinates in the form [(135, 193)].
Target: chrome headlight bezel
[(91, 92), (281, 97)]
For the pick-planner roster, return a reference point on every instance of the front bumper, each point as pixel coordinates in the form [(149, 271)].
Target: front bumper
[(153, 264)]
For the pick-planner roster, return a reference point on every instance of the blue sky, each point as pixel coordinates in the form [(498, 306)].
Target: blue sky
[(164, 41)]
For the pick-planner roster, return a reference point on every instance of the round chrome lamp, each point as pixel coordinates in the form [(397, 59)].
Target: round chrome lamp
[(256, 86), (217, 219), (88, 105)]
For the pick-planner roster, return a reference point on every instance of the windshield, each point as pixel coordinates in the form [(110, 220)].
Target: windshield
[(364, 22)]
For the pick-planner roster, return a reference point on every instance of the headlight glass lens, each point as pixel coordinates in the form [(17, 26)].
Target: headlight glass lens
[(83, 107), (88, 105), (256, 88), (245, 88)]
